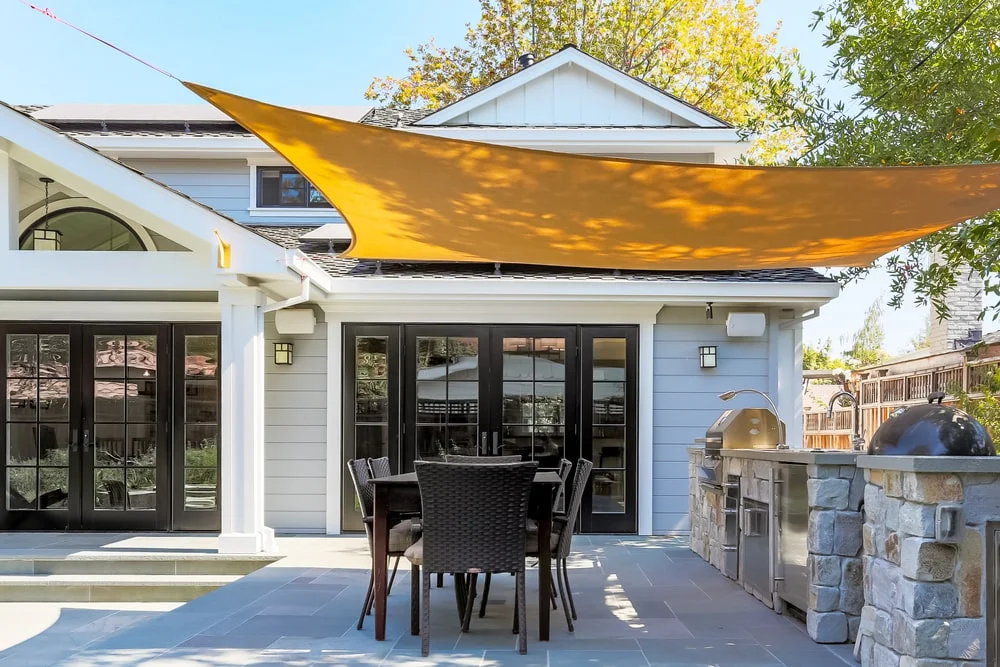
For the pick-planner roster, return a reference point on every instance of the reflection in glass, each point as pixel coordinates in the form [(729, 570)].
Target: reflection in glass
[(463, 402), (22, 400), (549, 445), (109, 401), (432, 357), (371, 357), (53, 400), (140, 448), (141, 401), (21, 488), (550, 358), (292, 189), (431, 441), (141, 356), (609, 446), (463, 359), (609, 403), (608, 492), (141, 488), (518, 363), (201, 401), (53, 488), (201, 445), (53, 355), (371, 441), (550, 403), (517, 440), (109, 356), (432, 401), (518, 403), (201, 487), (22, 447), (109, 489), (372, 401), (22, 355), (201, 356), (463, 440), (53, 444), (609, 359), (109, 444)]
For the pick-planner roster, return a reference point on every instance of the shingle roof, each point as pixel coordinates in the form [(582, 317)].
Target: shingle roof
[(339, 267), (386, 117)]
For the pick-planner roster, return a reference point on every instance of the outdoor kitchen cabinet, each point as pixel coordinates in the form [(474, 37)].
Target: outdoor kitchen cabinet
[(791, 555)]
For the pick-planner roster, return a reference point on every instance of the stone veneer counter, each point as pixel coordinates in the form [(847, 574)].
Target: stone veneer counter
[(925, 589), (806, 456)]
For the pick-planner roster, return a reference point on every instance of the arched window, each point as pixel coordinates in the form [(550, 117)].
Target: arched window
[(85, 229)]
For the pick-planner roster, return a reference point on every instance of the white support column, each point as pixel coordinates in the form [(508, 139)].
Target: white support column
[(334, 421), (645, 471), (242, 452), (9, 206), (789, 398)]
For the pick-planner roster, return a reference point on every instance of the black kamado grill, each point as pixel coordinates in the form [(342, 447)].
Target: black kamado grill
[(931, 430)]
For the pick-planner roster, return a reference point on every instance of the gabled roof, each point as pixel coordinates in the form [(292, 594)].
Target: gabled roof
[(570, 55)]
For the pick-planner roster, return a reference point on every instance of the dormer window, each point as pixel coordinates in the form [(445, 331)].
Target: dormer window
[(285, 187), (81, 228)]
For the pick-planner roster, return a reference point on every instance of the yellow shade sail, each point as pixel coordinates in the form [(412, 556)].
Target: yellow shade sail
[(413, 197)]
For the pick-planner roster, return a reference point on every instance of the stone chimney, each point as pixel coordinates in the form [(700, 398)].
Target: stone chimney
[(965, 302)]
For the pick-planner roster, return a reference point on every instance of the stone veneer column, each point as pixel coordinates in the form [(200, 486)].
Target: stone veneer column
[(925, 598), (836, 596)]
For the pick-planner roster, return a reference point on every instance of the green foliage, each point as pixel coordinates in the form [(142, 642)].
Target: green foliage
[(821, 357), (985, 408), (925, 78), (866, 348), (707, 52)]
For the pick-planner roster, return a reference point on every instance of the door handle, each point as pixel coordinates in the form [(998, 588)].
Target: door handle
[(483, 448), (74, 440), (85, 440), (496, 443)]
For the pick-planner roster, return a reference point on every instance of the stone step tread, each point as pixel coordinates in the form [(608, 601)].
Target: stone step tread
[(55, 555), (116, 579)]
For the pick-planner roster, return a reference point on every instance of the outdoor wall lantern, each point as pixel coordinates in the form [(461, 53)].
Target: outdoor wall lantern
[(44, 238), (283, 354), (707, 356)]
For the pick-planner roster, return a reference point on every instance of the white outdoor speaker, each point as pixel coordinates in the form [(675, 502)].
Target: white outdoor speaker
[(300, 321), (746, 325)]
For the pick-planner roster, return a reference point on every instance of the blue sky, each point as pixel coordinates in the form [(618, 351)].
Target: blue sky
[(307, 52)]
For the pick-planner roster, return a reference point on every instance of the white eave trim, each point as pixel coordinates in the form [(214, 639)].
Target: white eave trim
[(345, 289)]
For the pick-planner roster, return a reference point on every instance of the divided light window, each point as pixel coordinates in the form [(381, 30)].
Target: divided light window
[(284, 187)]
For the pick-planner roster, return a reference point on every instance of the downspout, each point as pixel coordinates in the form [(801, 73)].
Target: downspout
[(302, 297)]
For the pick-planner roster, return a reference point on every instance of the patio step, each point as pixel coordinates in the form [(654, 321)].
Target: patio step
[(47, 562), (108, 587)]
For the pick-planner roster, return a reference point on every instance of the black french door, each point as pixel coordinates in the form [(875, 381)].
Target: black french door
[(88, 426), (545, 393)]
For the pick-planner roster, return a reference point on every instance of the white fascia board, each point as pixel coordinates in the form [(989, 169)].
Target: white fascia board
[(346, 289), (107, 270), (580, 59), (250, 148), (110, 311)]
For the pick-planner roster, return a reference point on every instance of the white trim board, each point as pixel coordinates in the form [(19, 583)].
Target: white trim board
[(109, 311)]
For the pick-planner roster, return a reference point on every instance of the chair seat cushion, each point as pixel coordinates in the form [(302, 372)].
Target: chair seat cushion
[(531, 541), (400, 537), (415, 552)]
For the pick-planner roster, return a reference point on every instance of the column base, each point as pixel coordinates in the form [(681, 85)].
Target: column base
[(261, 541)]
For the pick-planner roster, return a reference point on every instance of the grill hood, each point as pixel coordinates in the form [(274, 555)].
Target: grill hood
[(931, 430)]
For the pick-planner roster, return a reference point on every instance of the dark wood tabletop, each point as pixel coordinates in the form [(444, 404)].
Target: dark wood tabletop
[(543, 477)]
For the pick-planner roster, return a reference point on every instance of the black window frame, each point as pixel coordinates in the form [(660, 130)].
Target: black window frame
[(259, 179)]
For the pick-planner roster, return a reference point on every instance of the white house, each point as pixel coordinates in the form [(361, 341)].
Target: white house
[(143, 391)]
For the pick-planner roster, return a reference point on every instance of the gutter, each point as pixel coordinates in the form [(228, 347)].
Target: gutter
[(308, 274)]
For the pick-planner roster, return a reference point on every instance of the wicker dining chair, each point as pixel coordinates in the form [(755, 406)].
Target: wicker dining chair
[(473, 522), (562, 539), (400, 534), (380, 467)]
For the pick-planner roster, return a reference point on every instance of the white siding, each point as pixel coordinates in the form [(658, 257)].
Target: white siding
[(569, 96), (223, 185), (685, 397), (295, 432)]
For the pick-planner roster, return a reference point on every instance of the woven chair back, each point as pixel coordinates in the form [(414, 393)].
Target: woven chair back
[(366, 495), (473, 515), (583, 468), (482, 460), (380, 467), (565, 467)]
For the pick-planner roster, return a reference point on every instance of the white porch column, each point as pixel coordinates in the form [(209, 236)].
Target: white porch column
[(334, 421), (242, 452), (9, 206), (645, 454)]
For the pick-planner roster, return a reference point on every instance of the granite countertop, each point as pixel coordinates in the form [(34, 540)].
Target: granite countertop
[(984, 464), (806, 456)]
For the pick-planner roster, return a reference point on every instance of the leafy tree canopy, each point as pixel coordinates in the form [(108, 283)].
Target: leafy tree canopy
[(821, 357), (867, 345), (925, 78), (707, 52)]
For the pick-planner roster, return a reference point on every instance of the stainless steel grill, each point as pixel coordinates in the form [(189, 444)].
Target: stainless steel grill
[(743, 428)]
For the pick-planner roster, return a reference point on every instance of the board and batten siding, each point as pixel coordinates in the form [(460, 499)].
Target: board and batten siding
[(223, 185), (295, 431), (685, 397)]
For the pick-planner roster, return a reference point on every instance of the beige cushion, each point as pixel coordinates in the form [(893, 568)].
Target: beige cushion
[(415, 552), (400, 536), (531, 541)]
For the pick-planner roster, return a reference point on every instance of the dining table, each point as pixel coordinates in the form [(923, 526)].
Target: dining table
[(399, 496)]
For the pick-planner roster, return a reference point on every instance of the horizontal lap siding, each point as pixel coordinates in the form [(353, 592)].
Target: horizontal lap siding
[(685, 398), (295, 432)]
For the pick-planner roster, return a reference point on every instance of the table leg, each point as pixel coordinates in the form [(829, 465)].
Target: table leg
[(380, 557), (544, 571)]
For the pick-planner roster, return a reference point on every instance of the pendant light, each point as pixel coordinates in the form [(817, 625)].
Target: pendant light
[(43, 237)]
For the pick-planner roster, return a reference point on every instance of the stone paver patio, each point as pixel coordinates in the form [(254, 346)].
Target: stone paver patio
[(640, 601)]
